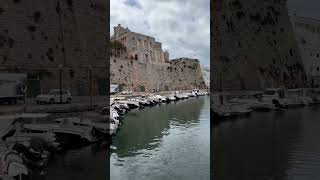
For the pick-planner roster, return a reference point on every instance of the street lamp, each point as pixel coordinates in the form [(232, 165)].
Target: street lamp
[(90, 86), (60, 82)]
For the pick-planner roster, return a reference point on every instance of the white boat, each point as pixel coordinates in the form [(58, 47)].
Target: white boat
[(13, 166), (155, 99), (229, 110), (114, 114), (131, 104), (191, 94), (172, 97), (275, 96), (201, 93), (142, 101), (85, 122), (121, 105), (64, 129), (254, 102), (314, 94), (19, 134), (161, 98), (222, 109), (299, 97)]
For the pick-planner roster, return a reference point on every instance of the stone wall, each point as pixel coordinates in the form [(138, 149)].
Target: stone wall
[(179, 74), (36, 37), (253, 46), (307, 33)]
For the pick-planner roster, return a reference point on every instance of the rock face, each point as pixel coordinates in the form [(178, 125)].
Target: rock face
[(179, 74), (307, 33), (253, 46), (36, 37)]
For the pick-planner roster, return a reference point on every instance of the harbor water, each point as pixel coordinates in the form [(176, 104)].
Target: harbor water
[(81, 164), (269, 146), (165, 142)]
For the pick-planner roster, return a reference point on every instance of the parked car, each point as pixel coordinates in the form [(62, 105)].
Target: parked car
[(54, 97)]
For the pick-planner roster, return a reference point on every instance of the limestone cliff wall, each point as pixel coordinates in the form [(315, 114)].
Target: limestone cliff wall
[(179, 74), (253, 46)]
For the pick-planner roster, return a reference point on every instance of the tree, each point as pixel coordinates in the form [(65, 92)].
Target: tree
[(117, 48)]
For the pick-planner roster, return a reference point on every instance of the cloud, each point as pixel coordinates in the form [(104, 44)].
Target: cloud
[(183, 26), (308, 8)]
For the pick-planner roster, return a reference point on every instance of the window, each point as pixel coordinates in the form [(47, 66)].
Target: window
[(53, 92), (318, 69), (136, 57)]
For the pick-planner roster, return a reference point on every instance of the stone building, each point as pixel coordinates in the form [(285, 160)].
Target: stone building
[(307, 33), (43, 38), (253, 46), (140, 47)]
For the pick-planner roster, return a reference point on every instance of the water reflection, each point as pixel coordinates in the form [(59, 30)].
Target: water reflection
[(144, 129), (170, 141), (274, 145)]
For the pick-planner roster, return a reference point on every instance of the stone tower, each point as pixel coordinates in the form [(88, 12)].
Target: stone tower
[(253, 46), (140, 47)]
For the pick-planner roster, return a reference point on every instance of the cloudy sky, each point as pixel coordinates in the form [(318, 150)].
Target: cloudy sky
[(183, 26), (307, 8)]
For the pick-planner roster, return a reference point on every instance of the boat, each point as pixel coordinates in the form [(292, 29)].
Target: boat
[(131, 104), (221, 109), (14, 132), (191, 94), (314, 94), (172, 97), (254, 101), (275, 96), (100, 125), (66, 132)]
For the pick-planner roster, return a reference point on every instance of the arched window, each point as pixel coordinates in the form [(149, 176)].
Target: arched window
[(136, 57)]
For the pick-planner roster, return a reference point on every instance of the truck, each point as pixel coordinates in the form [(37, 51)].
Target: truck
[(12, 87)]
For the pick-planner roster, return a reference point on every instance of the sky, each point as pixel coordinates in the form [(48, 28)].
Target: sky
[(306, 8), (182, 26)]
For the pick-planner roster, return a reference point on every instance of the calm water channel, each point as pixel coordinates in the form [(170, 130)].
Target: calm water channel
[(167, 142), (79, 164), (269, 146)]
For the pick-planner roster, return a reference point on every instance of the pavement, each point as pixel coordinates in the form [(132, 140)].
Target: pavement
[(136, 94), (79, 103)]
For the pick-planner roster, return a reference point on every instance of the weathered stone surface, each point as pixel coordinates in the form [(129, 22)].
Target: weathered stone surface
[(253, 46), (179, 74), (139, 47), (307, 33), (37, 36)]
